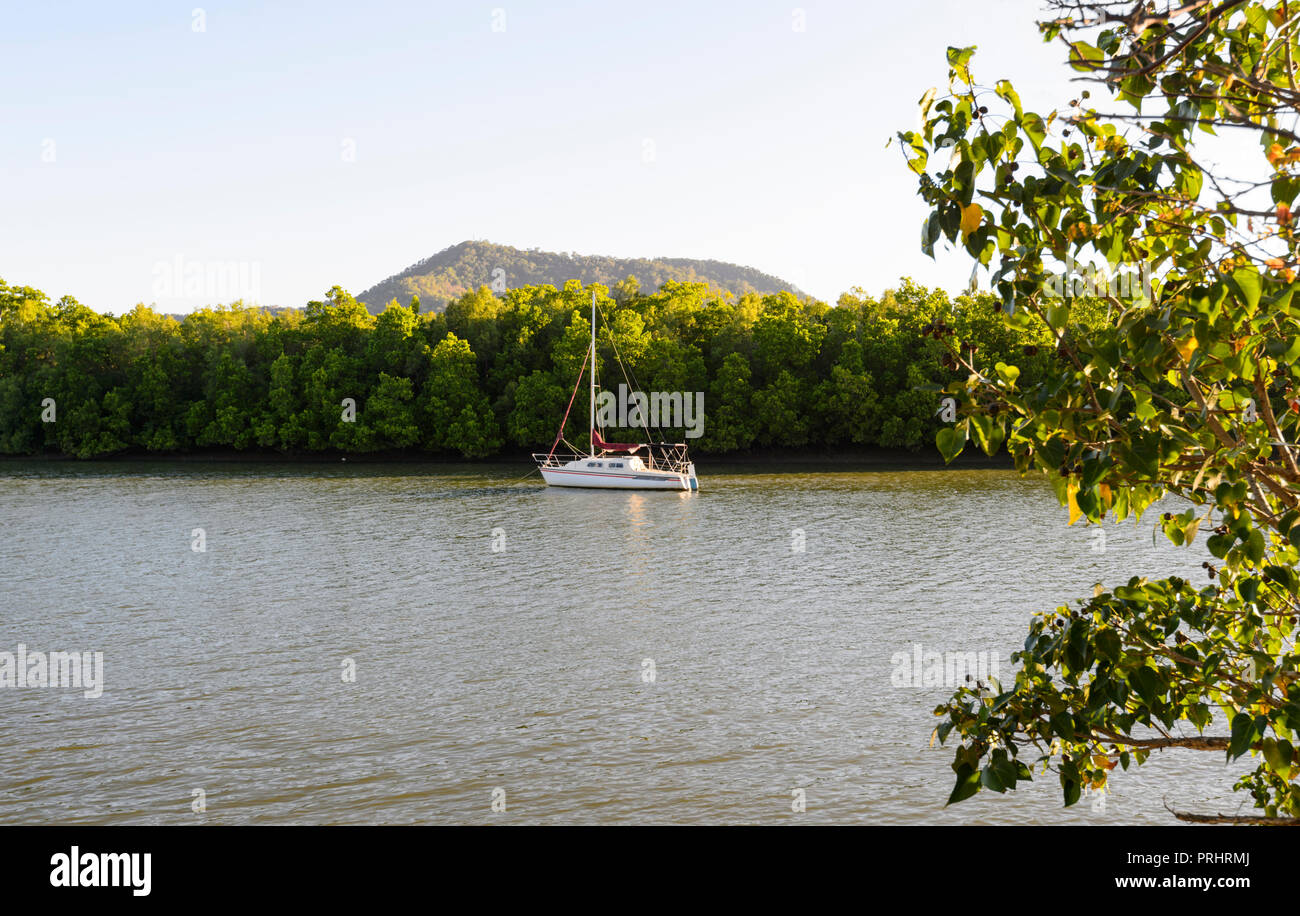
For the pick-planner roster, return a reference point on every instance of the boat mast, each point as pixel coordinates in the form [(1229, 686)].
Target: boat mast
[(591, 426)]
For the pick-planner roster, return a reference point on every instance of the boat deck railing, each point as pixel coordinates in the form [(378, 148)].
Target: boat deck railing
[(669, 464)]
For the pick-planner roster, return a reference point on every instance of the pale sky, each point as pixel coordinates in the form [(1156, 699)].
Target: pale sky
[(314, 144)]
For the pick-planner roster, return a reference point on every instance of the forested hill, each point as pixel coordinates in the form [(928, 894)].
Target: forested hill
[(469, 265)]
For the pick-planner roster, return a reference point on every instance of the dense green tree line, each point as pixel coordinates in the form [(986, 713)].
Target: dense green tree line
[(490, 373)]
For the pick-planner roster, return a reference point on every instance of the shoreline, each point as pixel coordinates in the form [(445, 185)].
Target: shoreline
[(873, 458)]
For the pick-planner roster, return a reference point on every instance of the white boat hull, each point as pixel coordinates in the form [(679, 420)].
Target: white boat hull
[(575, 474)]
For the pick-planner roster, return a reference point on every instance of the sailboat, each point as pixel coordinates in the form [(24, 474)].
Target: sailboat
[(615, 465)]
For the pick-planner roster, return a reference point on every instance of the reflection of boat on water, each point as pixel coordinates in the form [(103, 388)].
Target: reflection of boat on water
[(615, 465)]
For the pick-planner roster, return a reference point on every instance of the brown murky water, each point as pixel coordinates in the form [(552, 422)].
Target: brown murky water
[(524, 674)]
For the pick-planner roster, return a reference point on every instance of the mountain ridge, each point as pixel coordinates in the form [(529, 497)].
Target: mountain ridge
[(468, 265)]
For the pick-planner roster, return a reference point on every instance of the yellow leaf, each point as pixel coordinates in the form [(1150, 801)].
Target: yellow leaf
[(971, 217), (1187, 348), (1075, 512)]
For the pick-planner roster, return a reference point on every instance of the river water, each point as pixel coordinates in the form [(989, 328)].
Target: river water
[(453, 644)]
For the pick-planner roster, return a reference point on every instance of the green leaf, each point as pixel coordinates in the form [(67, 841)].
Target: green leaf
[(1034, 129), (1255, 545), (987, 432), (927, 99), (1007, 93), (1084, 57), (951, 440), (959, 61), (990, 779), (1279, 755), (1148, 685), (1070, 788), (1243, 733), (1284, 190), (968, 783), (930, 234), (1246, 285)]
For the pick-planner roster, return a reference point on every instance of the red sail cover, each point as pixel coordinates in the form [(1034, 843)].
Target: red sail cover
[(600, 443)]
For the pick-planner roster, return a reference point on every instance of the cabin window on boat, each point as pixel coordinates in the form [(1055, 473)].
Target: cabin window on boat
[(616, 464), (593, 464)]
